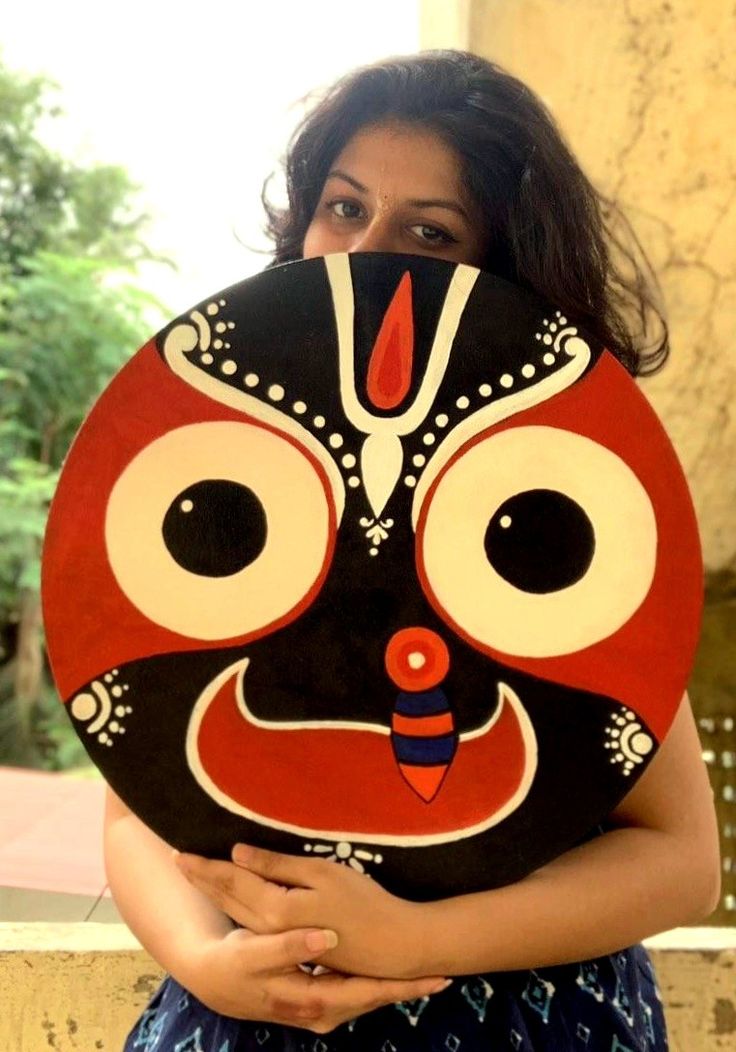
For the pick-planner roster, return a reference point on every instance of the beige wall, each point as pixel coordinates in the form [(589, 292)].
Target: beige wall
[(644, 91)]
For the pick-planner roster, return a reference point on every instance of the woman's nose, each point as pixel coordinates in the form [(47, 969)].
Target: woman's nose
[(377, 236)]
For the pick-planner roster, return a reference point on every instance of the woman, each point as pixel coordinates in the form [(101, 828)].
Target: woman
[(439, 154)]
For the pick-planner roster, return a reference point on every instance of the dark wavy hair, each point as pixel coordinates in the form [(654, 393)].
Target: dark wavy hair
[(549, 229)]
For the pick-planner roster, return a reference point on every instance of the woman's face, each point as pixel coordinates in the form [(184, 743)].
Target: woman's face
[(396, 188)]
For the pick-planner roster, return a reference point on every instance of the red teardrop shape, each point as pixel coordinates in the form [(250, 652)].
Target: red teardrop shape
[(389, 370)]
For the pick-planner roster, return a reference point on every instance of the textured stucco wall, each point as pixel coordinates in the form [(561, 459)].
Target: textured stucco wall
[(644, 91), (71, 987), (699, 993)]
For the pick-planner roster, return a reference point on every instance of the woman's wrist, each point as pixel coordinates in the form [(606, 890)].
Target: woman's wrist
[(415, 934), (193, 972)]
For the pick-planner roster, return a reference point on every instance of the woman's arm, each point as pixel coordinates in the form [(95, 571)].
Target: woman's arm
[(167, 915), (232, 971), (658, 869)]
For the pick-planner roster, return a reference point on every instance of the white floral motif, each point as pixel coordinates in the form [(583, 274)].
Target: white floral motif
[(376, 531), (628, 740), (345, 854)]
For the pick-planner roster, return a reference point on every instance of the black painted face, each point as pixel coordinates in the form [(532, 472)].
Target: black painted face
[(383, 560)]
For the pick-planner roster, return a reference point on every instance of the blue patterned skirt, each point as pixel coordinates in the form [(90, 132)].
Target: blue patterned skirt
[(610, 1004)]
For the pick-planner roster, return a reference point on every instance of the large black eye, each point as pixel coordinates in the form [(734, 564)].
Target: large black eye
[(215, 528), (540, 541)]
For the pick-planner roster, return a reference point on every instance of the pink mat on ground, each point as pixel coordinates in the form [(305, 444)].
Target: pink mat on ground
[(51, 832)]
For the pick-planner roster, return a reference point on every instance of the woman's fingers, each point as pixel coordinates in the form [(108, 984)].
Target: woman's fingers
[(288, 949), (249, 899), (318, 1002), (375, 993), (323, 1002), (291, 870), (263, 977), (217, 881)]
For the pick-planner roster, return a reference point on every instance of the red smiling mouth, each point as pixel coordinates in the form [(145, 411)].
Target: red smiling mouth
[(340, 780)]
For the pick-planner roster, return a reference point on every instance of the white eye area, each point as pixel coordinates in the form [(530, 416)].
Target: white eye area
[(538, 542), (217, 530)]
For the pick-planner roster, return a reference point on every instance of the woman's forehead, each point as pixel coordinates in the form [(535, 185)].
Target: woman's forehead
[(404, 157)]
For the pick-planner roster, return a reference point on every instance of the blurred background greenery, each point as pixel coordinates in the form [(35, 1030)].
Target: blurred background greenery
[(199, 128), (71, 238)]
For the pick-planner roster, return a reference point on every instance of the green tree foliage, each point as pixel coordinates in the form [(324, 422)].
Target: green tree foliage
[(66, 326), (70, 315)]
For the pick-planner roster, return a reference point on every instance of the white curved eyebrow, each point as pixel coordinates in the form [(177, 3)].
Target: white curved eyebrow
[(179, 340), (500, 409)]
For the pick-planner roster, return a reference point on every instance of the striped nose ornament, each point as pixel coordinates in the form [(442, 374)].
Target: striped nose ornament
[(422, 725)]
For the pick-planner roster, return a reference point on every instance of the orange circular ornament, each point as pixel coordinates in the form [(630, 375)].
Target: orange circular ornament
[(417, 659)]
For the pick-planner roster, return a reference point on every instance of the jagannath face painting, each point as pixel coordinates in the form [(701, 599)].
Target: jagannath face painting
[(376, 558)]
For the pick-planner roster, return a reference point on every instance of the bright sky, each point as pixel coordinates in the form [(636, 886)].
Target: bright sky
[(196, 108)]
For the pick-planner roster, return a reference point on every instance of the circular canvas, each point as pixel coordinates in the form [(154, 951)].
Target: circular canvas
[(373, 558)]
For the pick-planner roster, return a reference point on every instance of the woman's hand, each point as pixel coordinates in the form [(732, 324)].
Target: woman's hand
[(232, 971), (257, 977), (268, 892), (657, 869)]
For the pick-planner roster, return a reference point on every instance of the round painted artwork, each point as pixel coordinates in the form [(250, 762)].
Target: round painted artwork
[(379, 559)]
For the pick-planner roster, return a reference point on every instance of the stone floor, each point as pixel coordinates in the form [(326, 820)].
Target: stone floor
[(28, 905)]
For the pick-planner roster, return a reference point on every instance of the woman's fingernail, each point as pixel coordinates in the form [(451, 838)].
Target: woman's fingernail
[(441, 986), (242, 853), (325, 939)]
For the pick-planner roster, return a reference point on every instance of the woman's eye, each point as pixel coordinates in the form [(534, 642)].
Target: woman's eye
[(432, 234), (345, 209)]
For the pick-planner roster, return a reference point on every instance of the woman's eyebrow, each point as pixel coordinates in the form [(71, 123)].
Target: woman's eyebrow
[(438, 202), (434, 202), (339, 174)]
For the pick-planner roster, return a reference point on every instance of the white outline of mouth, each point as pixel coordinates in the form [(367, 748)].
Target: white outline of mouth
[(505, 696)]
